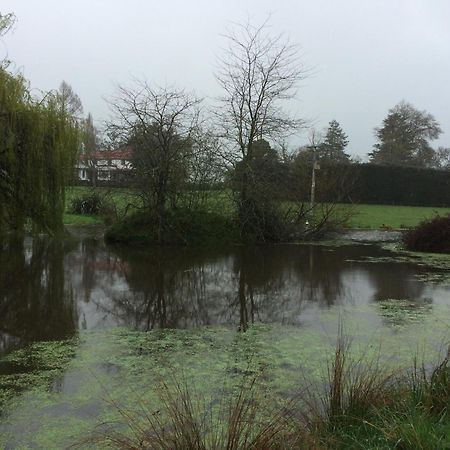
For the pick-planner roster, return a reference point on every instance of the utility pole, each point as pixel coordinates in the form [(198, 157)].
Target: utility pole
[(315, 166)]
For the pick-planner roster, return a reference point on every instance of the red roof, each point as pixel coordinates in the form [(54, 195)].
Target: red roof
[(113, 154)]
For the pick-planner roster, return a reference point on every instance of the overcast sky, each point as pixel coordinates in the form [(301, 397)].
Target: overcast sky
[(365, 56)]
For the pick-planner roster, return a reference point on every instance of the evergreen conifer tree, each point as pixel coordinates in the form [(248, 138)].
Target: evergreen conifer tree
[(333, 146)]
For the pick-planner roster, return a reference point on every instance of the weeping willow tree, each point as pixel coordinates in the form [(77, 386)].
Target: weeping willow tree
[(38, 147)]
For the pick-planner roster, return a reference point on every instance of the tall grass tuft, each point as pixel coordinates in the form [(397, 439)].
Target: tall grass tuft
[(242, 419), (430, 386), (353, 387)]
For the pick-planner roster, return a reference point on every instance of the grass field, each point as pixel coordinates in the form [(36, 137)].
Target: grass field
[(363, 216), (77, 219), (388, 216)]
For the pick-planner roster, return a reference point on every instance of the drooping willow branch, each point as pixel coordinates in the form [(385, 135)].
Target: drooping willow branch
[(38, 146)]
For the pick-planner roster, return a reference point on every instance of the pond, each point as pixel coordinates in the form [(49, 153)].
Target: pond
[(83, 324)]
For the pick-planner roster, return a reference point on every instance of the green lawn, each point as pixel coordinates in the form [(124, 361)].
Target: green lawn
[(77, 219), (364, 216), (123, 199), (387, 216)]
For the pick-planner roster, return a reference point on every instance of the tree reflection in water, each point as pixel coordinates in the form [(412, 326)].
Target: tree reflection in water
[(36, 303), (399, 295), (47, 290), (181, 288), (167, 289)]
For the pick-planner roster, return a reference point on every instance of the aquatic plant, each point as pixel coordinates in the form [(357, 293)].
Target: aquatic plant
[(35, 366)]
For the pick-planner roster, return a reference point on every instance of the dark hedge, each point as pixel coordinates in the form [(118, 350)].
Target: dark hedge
[(389, 185)]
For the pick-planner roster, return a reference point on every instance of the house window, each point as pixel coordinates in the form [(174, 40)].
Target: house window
[(103, 174)]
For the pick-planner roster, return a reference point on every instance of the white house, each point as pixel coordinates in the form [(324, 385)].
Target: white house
[(106, 165)]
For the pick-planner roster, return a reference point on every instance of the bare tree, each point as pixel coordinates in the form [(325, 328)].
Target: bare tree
[(205, 168), (160, 126), (90, 147), (68, 101), (258, 73)]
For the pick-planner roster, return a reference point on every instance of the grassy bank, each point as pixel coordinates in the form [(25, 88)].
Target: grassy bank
[(219, 202)]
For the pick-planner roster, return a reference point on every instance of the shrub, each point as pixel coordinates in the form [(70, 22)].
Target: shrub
[(261, 221), (89, 204), (430, 236), (93, 204), (181, 226)]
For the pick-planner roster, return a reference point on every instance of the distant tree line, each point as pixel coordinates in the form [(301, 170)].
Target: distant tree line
[(340, 181), (397, 185)]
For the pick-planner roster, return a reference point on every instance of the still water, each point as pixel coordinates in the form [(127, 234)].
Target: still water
[(95, 303), (50, 289)]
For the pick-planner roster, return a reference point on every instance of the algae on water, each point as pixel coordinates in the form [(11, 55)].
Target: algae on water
[(33, 367)]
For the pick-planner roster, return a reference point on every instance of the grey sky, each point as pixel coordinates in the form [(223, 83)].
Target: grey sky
[(366, 55)]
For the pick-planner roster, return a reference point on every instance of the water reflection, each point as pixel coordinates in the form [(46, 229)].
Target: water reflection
[(400, 297), (49, 289), (180, 288), (36, 302), (392, 280)]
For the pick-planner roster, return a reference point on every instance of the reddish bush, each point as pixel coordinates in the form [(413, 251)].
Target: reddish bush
[(430, 236)]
